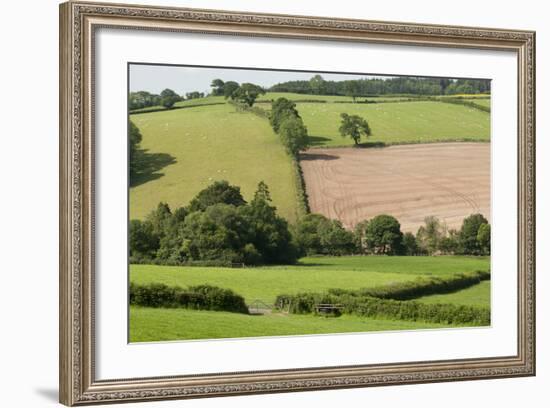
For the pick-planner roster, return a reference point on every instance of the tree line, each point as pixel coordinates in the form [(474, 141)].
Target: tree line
[(167, 98), (220, 227), (384, 86)]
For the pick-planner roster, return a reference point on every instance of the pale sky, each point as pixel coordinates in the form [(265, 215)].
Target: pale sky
[(155, 78)]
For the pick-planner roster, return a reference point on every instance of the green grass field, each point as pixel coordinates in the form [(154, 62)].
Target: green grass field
[(402, 122), (313, 274), (191, 148), (478, 295), (148, 324)]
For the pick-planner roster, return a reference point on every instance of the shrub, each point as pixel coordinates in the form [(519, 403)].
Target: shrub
[(202, 297)]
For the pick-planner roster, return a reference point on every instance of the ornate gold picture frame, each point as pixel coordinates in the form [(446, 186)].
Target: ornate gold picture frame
[(78, 24)]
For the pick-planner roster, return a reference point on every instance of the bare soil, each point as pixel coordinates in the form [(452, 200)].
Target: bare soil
[(410, 182)]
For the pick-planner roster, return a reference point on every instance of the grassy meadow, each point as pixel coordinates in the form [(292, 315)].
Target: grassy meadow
[(156, 324), (478, 295), (189, 148), (314, 274), (401, 122)]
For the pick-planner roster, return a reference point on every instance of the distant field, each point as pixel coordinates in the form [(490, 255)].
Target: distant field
[(191, 148), (447, 180), (315, 274), (406, 122), (148, 324), (478, 295)]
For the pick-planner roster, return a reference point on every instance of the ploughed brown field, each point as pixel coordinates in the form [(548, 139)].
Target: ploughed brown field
[(410, 182)]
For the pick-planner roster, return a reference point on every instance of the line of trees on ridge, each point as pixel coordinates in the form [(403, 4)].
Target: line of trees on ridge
[(167, 98), (384, 86)]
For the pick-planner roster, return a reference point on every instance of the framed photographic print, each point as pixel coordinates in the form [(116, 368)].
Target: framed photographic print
[(256, 203)]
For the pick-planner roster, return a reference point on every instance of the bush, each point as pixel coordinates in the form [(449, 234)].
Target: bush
[(202, 297)]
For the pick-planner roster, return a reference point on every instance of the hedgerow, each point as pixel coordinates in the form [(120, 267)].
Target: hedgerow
[(202, 297), (305, 303), (393, 301), (420, 287)]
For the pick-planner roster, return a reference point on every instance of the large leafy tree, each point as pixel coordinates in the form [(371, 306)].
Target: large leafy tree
[(217, 86), (142, 240), (229, 89), (247, 93), (316, 234), (293, 134), (430, 234), (484, 238), (219, 233), (354, 126), (216, 193), (383, 235), (469, 243), (281, 108), (271, 236), (168, 98)]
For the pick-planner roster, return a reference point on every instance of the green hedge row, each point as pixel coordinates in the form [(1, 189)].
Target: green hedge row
[(420, 287), (295, 101), (305, 303), (241, 107), (143, 260), (469, 104), (202, 297), (303, 201)]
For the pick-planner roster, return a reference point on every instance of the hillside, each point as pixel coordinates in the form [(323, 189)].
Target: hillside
[(194, 147)]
